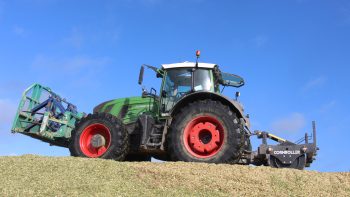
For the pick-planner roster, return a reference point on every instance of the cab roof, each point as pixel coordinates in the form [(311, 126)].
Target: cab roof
[(188, 65)]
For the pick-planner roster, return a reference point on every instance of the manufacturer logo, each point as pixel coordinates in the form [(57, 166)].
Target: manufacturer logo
[(286, 152)]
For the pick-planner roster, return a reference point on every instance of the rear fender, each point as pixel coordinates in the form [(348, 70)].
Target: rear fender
[(234, 105)]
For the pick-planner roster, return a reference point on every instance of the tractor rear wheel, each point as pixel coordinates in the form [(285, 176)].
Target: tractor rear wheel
[(99, 135), (206, 131), (298, 163)]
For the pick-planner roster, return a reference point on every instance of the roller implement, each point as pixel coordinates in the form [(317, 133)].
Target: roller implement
[(188, 120)]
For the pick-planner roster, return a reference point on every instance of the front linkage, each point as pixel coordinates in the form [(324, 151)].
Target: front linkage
[(44, 115)]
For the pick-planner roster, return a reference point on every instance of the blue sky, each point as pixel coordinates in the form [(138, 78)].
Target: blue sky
[(293, 54)]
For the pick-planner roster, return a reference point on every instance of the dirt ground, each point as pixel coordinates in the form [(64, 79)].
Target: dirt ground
[(30, 175)]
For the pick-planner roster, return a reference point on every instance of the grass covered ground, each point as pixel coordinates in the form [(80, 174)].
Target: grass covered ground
[(67, 176)]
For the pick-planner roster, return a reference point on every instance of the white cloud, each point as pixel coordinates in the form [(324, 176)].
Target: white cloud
[(7, 113), (313, 83), (260, 41), (291, 123)]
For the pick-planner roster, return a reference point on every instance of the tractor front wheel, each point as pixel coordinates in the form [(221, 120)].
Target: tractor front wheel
[(99, 135)]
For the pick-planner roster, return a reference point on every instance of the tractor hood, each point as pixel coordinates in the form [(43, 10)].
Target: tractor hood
[(127, 109)]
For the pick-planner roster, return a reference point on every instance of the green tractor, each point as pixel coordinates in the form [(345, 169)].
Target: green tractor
[(189, 120)]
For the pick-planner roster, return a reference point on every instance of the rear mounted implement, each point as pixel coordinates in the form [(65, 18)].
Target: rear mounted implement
[(285, 154)]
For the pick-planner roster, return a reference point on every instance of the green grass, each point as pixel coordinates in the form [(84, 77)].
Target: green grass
[(67, 176)]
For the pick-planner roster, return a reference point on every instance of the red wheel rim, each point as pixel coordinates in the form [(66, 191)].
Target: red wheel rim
[(87, 136), (203, 136)]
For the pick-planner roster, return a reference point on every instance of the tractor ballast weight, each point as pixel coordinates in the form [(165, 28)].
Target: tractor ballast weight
[(189, 120)]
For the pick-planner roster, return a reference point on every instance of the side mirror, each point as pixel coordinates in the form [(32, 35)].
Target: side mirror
[(142, 70)]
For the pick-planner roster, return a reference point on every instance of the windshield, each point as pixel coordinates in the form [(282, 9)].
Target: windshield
[(203, 81), (178, 82)]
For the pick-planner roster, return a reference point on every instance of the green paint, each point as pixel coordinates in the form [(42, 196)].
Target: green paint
[(129, 109)]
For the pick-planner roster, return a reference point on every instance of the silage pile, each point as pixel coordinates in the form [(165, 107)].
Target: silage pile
[(67, 176)]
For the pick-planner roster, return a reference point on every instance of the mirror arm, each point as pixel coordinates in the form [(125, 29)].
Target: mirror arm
[(142, 70)]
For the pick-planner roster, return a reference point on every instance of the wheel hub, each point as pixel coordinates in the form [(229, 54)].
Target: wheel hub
[(98, 141), (95, 140), (203, 136)]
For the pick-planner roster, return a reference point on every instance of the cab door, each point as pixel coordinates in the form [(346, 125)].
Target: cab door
[(176, 83)]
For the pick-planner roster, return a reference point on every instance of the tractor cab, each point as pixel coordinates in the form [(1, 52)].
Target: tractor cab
[(181, 79)]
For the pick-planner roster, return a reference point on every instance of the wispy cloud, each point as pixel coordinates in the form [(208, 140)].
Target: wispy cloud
[(151, 1), (291, 123), (301, 1), (328, 106), (18, 30), (82, 37), (11, 88), (75, 39), (41, 2), (78, 70), (69, 65), (260, 41), (148, 2), (345, 12), (313, 83), (2, 4), (7, 113)]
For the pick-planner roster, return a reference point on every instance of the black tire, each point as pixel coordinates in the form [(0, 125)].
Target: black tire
[(247, 144), (298, 163), (110, 127), (137, 157), (228, 150)]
